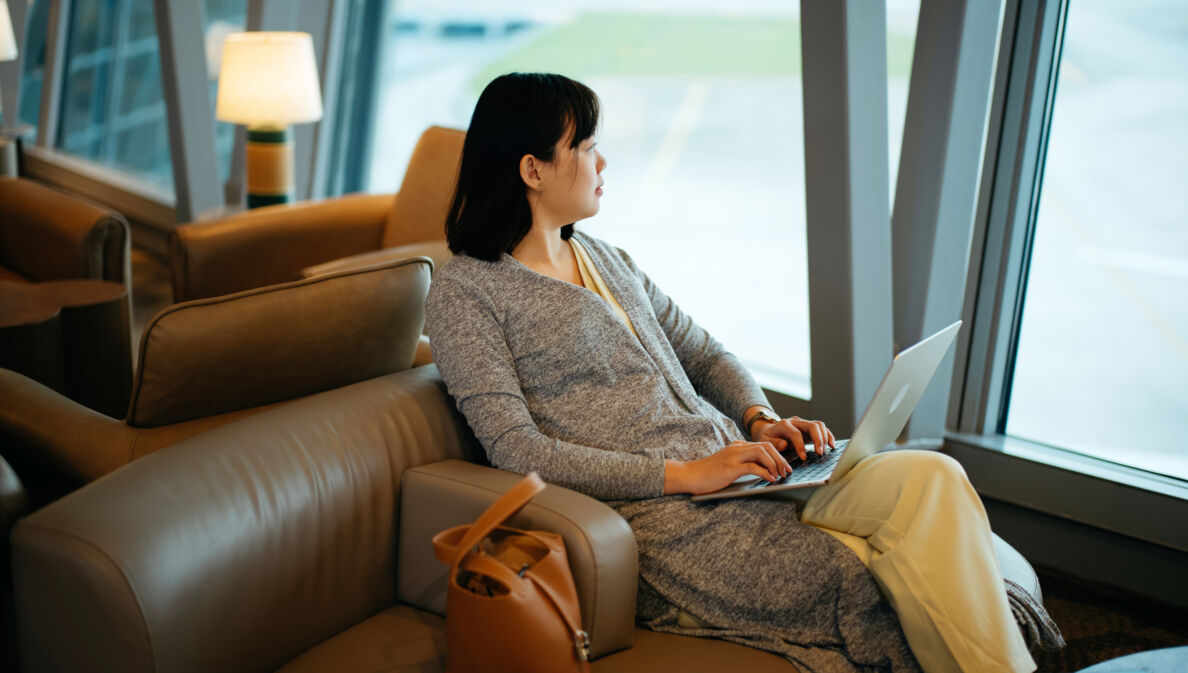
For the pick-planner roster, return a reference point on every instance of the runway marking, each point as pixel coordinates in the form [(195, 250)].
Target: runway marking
[(1158, 265), (678, 134), (1162, 325)]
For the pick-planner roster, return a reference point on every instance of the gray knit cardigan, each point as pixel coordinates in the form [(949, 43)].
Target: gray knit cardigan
[(551, 380)]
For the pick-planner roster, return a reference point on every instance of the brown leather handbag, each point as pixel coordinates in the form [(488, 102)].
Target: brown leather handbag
[(511, 604)]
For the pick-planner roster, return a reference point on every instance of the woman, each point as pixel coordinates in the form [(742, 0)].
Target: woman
[(566, 359)]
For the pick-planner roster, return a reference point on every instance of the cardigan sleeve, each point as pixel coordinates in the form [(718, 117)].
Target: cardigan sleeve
[(716, 374), (469, 347)]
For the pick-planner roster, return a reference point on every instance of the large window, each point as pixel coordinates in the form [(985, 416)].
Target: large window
[(702, 130), (112, 105), (1102, 360)]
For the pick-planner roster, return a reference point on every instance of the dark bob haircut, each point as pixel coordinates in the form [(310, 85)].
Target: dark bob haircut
[(517, 114)]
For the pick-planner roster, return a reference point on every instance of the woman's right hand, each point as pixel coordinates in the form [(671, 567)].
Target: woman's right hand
[(719, 470)]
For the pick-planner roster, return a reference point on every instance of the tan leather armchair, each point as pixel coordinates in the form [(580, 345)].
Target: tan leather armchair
[(281, 243), (208, 362), (298, 540), (46, 234)]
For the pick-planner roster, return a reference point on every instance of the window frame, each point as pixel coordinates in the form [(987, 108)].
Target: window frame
[(1038, 477)]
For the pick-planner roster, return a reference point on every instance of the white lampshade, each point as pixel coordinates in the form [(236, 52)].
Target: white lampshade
[(8, 48), (268, 80)]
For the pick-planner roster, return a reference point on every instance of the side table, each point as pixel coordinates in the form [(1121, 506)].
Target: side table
[(92, 340), (31, 335)]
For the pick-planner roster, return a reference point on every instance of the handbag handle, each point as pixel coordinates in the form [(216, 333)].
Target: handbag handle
[(501, 510)]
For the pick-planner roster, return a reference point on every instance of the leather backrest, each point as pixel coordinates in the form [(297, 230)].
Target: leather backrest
[(424, 198), (211, 356), (269, 245), (48, 235), (238, 549)]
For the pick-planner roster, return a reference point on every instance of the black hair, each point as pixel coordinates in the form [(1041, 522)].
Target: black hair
[(517, 114)]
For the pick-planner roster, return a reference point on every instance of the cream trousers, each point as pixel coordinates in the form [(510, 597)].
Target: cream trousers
[(918, 525)]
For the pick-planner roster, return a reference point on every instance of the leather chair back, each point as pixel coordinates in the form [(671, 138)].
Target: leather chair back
[(48, 235), (424, 198), (211, 356)]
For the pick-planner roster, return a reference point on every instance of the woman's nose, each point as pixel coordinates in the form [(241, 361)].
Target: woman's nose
[(601, 164)]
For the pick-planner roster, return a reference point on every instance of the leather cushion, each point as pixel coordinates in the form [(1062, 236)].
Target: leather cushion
[(211, 356), (5, 274), (424, 198), (400, 638), (404, 639)]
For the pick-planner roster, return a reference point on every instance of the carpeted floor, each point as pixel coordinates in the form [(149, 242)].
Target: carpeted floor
[(1101, 624)]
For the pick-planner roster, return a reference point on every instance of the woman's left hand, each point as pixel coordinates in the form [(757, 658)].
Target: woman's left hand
[(794, 432)]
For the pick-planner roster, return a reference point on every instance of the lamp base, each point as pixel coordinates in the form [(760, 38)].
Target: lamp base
[(269, 167)]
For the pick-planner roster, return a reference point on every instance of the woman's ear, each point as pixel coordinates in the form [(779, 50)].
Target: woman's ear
[(530, 172)]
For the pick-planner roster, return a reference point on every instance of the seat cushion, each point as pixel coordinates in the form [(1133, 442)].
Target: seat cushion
[(404, 639), (666, 652), (400, 638), (7, 274)]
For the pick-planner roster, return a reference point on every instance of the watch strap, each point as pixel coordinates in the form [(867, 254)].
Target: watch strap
[(759, 415)]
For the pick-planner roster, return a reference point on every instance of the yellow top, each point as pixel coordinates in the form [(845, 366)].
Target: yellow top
[(593, 282)]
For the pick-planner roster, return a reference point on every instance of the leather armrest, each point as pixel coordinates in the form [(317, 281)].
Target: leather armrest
[(599, 543), (48, 435), (46, 234), (438, 251), (272, 244)]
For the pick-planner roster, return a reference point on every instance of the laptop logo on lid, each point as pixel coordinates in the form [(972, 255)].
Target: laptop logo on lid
[(899, 398)]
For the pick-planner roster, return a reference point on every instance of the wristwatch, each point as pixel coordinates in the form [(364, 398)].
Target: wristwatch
[(760, 415)]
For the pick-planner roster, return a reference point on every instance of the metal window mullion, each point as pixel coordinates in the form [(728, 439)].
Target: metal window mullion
[(1002, 269), (316, 17), (331, 65), (962, 378), (10, 71), (844, 58), (53, 74), (187, 101), (116, 81), (939, 169)]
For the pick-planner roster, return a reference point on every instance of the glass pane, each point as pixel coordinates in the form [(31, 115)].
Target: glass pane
[(702, 131), (902, 18), (113, 111), (1102, 363), (33, 61)]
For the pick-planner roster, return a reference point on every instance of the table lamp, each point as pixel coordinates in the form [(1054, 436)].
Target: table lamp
[(8, 45), (268, 81)]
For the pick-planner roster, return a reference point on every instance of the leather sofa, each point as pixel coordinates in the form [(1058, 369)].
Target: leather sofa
[(46, 234), (208, 362), (298, 540)]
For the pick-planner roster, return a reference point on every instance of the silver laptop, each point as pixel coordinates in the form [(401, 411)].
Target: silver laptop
[(884, 418)]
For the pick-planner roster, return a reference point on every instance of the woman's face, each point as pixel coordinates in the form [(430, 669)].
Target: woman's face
[(572, 182)]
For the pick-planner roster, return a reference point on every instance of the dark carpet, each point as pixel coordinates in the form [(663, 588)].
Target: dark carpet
[(1100, 623)]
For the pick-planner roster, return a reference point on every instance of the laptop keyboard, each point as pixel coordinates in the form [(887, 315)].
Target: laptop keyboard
[(815, 468)]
